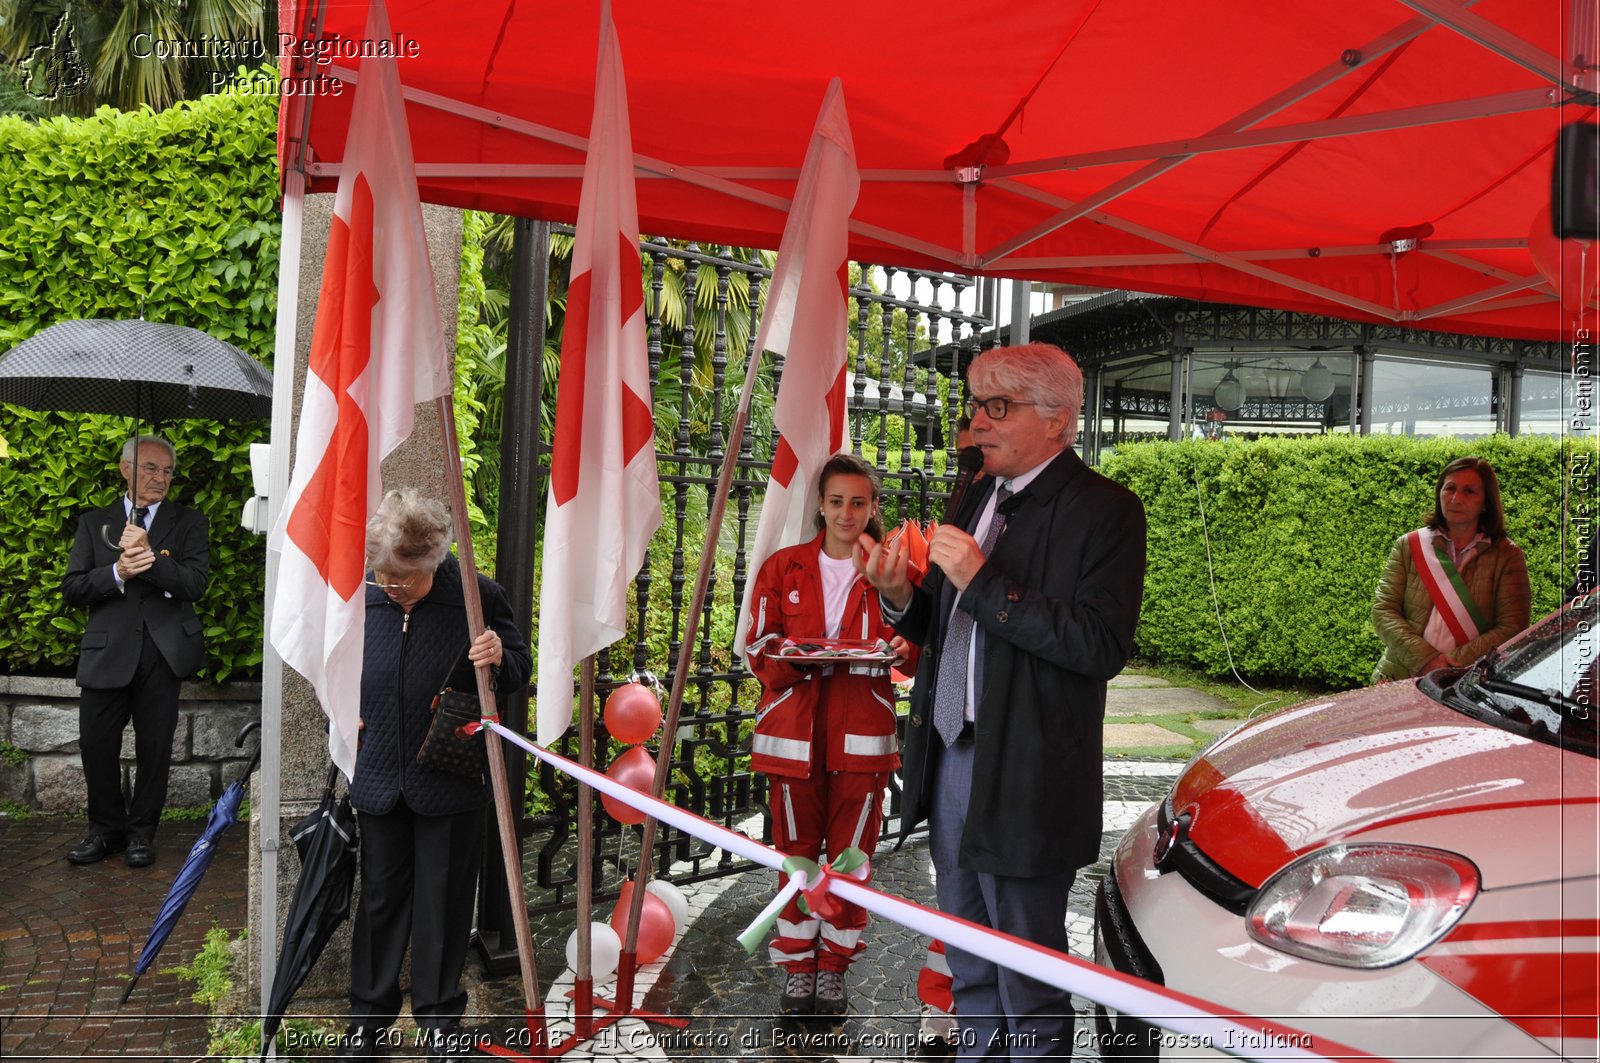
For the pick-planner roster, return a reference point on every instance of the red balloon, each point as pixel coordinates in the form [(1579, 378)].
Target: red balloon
[(633, 712), (635, 769), (655, 923), (1569, 265)]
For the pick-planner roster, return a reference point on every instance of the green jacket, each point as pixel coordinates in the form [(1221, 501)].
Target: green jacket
[(1497, 579)]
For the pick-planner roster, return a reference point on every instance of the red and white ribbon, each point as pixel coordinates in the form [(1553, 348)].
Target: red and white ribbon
[(1191, 1017)]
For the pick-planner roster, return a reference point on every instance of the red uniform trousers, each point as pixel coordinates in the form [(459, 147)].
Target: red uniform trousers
[(832, 810)]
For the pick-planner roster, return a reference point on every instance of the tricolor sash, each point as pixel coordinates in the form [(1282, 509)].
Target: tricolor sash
[(1452, 603)]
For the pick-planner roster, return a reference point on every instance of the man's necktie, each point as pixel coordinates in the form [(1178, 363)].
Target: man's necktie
[(950, 692), (140, 513)]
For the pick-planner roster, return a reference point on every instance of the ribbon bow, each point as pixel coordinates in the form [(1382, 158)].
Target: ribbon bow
[(811, 882)]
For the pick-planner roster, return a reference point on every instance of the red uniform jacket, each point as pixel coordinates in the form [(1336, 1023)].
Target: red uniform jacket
[(858, 700)]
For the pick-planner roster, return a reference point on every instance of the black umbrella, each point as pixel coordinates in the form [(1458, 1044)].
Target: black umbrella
[(326, 840), (224, 814), (142, 369)]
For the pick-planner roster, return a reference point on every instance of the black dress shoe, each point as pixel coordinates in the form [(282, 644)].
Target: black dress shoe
[(94, 848), (140, 853), (360, 1042), (450, 1044)]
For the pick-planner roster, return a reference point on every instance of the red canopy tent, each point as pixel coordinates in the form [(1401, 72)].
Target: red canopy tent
[(1378, 160), (1248, 151)]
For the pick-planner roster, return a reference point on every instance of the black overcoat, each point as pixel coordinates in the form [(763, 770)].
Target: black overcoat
[(1058, 600)]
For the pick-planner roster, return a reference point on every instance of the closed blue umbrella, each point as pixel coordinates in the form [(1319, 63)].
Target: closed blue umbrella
[(224, 814)]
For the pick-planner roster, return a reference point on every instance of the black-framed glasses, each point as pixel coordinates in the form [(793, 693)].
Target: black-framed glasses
[(150, 469), (996, 407)]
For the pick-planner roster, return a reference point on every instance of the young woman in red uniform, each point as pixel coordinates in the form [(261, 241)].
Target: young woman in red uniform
[(825, 734)]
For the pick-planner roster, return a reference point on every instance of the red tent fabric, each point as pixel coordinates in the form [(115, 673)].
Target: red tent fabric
[(1249, 151)]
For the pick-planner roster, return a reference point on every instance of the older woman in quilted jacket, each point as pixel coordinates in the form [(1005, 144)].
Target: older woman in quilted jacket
[(421, 829), (1456, 588)]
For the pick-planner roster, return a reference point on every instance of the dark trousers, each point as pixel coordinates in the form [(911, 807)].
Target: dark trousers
[(1002, 1013), (419, 878), (151, 702)]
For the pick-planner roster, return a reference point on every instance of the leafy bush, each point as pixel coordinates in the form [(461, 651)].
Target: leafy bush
[(1298, 532), (172, 216)]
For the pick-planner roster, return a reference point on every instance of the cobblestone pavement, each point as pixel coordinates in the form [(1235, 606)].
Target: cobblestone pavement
[(731, 998), (69, 937)]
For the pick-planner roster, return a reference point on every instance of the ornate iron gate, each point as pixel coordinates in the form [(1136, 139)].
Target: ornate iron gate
[(903, 392)]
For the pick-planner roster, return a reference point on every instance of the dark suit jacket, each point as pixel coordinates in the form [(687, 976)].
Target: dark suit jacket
[(161, 600), (1058, 600)]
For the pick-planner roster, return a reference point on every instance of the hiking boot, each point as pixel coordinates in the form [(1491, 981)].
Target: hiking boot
[(799, 993), (831, 998), (938, 1030)]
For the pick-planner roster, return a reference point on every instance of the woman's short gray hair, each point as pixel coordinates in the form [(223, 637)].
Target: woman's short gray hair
[(1042, 372), (409, 533)]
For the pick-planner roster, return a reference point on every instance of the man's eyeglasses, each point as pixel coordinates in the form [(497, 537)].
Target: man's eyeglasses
[(996, 407), (156, 470)]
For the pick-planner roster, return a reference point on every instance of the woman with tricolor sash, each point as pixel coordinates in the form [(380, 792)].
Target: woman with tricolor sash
[(1456, 588)]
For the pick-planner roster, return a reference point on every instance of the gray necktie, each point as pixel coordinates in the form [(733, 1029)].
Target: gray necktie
[(950, 692)]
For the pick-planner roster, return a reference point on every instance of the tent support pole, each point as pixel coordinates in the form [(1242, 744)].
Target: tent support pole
[(519, 515), (271, 739)]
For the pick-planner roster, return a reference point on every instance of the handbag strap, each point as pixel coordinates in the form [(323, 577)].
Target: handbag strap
[(494, 671)]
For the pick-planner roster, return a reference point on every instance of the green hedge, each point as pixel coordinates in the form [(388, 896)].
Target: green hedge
[(1299, 529), (175, 213)]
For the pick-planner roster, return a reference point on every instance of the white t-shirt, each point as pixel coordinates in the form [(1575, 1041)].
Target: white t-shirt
[(838, 576)]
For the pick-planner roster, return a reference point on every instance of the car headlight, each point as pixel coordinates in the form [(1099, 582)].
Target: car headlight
[(1363, 905)]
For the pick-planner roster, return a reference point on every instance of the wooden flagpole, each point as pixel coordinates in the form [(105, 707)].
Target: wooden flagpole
[(510, 848), (628, 963), (583, 981)]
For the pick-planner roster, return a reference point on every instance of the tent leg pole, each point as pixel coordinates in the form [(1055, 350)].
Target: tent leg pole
[(271, 740)]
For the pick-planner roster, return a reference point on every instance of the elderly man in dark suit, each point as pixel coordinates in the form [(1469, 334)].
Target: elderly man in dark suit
[(139, 564), (1028, 609)]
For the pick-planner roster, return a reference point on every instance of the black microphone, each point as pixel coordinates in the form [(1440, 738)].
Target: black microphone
[(969, 462)]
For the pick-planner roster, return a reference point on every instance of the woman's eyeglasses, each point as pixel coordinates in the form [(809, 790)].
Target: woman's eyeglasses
[(401, 585)]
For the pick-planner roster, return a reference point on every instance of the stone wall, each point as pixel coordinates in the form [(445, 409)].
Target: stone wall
[(39, 717)]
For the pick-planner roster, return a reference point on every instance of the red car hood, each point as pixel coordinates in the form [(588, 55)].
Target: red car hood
[(1391, 763)]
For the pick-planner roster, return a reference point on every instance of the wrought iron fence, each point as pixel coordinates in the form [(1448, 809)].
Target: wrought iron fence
[(903, 391)]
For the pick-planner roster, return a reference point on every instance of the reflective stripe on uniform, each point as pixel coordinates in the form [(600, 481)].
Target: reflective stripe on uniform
[(844, 942), (774, 703), (866, 745), (781, 748), (861, 821), (788, 811)]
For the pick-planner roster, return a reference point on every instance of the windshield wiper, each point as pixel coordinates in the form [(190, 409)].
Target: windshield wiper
[(1550, 698)]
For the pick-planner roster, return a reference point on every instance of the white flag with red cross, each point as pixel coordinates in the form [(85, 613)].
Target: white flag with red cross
[(604, 503), (377, 350), (805, 320)]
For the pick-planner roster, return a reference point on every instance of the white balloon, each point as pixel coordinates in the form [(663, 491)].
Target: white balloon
[(605, 949), (675, 901)]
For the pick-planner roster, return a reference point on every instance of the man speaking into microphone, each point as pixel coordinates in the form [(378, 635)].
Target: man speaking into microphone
[(1029, 607)]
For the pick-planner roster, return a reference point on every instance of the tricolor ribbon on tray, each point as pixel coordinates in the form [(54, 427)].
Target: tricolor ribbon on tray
[(813, 884), (1226, 1030)]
